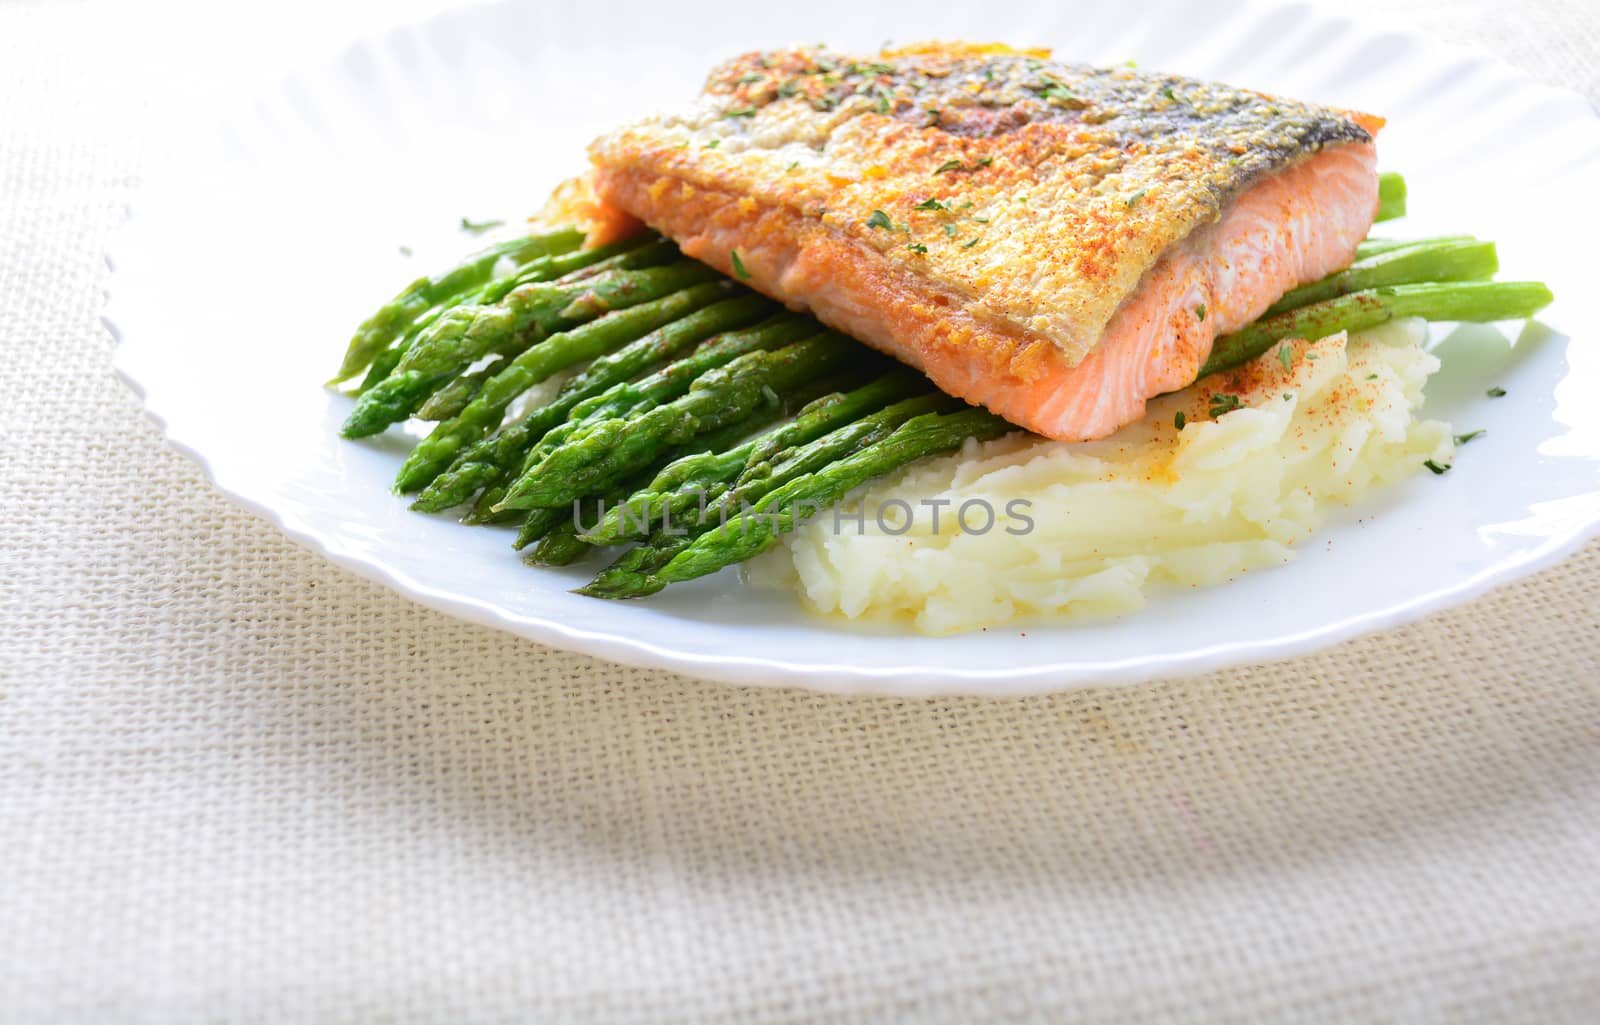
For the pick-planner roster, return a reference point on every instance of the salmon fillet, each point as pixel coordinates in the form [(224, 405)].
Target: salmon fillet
[(1057, 243)]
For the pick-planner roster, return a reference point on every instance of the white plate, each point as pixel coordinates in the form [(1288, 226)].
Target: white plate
[(278, 227)]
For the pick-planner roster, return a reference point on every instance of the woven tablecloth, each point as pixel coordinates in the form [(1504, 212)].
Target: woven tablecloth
[(239, 785)]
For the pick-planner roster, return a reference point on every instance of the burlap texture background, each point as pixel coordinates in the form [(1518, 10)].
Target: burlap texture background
[(237, 784)]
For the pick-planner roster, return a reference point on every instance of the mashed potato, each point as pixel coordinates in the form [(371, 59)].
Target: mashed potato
[(1089, 528)]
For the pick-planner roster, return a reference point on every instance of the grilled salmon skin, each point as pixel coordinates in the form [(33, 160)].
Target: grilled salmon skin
[(1056, 242)]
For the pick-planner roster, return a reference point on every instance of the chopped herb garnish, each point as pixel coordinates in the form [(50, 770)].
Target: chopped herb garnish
[(788, 89), (1133, 200), (1167, 92), (970, 242), (792, 166), (983, 162), (1437, 468), (879, 219), (741, 112), (713, 144), (1286, 357), (880, 69), (747, 79), (738, 265), (950, 230), (1221, 404), (479, 227), (930, 204), (918, 248), (1056, 91), (1495, 392), (949, 165), (1462, 439), (1179, 420), (1372, 377), (1200, 312)]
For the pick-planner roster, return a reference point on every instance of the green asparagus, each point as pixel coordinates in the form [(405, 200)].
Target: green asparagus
[(1374, 246), (1463, 300), (720, 502), (564, 267), (1391, 196), (688, 482), (537, 523), (633, 398), (560, 545), (1445, 261), (522, 317), (617, 446), (390, 322), (454, 395), (435, 452), (501, 454), (716, 457), (755, 530)]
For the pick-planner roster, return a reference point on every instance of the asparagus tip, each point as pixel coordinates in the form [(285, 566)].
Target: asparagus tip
[(617, 584), (428, 504)]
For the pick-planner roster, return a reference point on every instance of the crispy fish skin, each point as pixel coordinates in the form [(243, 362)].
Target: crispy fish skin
[(987, 214)]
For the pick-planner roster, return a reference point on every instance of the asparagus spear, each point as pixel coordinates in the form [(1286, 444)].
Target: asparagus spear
[(435, 452), (453, 396), (611, 448), (631, 399), (1443, 261), (537, 523), (721, 502), (1480, 301), (567, 267), (562, 542), (760, 476), (1391, 196), (383, 363), (755, 530), (391, 321), (449, 400), (502, 453), (526, 314), (560, 545), (690, 481), (1374, 246)]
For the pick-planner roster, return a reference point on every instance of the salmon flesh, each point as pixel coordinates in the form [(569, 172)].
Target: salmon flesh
[(1058, 243)]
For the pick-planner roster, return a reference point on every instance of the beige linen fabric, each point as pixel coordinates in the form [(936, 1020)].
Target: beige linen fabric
[(239, 785)]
